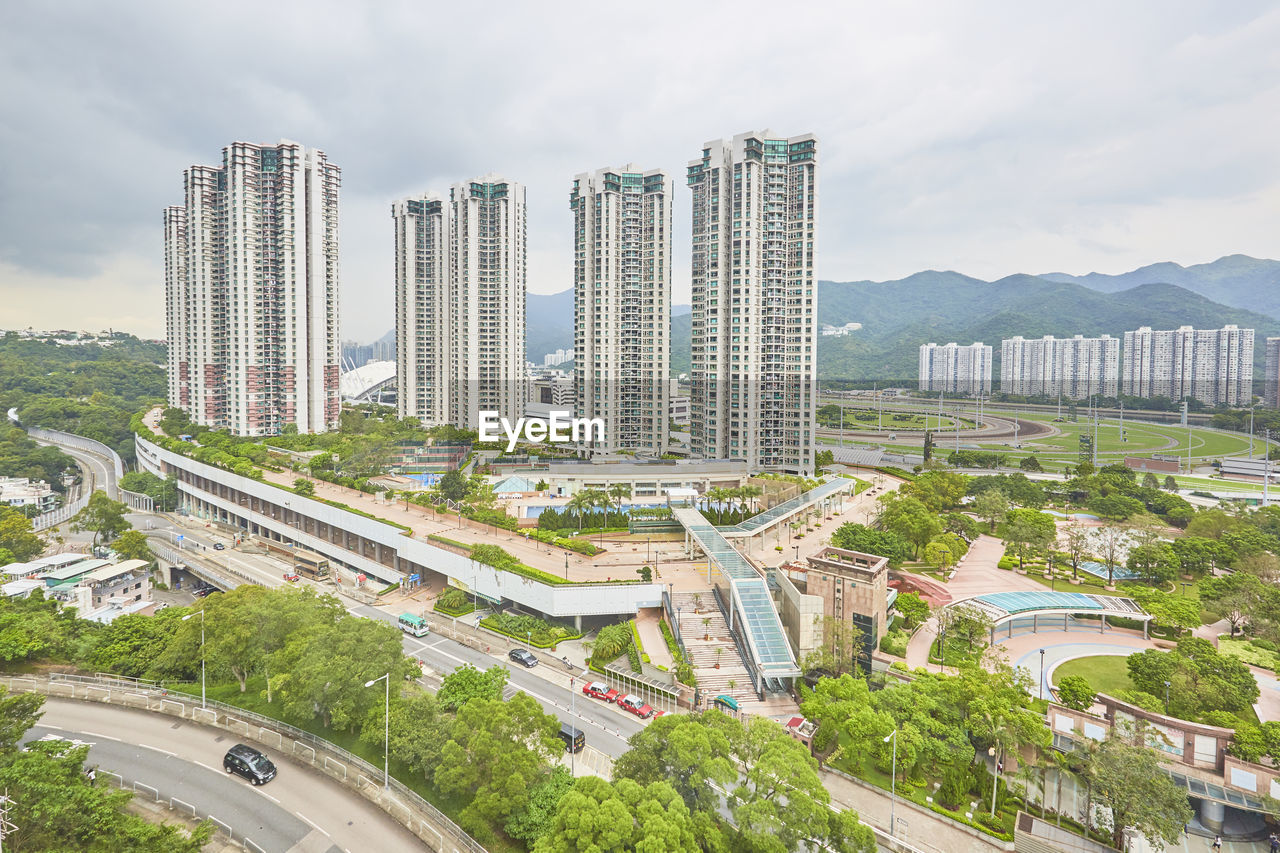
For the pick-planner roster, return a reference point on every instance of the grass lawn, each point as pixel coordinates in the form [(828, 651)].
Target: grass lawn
[(1247, 652), (1105, 673)]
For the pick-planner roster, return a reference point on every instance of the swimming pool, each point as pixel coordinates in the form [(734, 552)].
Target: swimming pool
[(1099, 570), (1071, 514), (424, 479)]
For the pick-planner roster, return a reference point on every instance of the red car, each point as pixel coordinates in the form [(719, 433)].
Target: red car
[(636, 705), (291, 577), (600, 690)]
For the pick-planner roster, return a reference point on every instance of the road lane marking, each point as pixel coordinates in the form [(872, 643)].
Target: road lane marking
[(95, 734), (314, 825), (202, 764), (156, 748)]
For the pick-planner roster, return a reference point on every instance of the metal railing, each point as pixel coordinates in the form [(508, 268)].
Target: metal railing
[(406, 806), (56, 516)]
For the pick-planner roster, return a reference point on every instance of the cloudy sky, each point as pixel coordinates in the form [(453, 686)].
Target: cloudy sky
[(988, 138)]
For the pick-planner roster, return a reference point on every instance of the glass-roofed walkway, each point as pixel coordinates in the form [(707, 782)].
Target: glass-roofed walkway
[(751, 612), (763, 521)]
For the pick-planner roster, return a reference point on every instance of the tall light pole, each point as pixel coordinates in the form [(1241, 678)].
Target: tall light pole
[(573, 712), (202, 658), (386, 729), (1042, 675), (1166, 698), (995, 779), (893, 784), (1251, 432)]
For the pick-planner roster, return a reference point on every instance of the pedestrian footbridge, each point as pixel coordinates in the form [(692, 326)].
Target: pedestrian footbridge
[(748, 606)]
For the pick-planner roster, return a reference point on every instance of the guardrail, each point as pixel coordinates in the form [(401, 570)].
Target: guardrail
[(79, 442), (57, 516), (403, 804)]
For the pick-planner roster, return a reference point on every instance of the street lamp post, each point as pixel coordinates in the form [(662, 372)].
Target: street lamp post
[(1042, 674), (893, 784), (1166, 698), (202, 657), (995, 779), (566, 566), (386, 729), (573, 712)]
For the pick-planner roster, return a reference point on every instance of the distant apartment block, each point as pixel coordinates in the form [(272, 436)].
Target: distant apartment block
[(554, 359), (622, 305), (460, 273), (1271, 378), (1210, 365), (754, 218), (423, 319), (251, 291), (954, 369), (1076, 368)]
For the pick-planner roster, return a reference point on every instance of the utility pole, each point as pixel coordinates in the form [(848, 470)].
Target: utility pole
[(1251, 432), (6, 826), (1266, 467), (1122, 420)]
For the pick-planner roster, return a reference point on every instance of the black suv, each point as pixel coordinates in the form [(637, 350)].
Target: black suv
[(523, 656), (248, 762)]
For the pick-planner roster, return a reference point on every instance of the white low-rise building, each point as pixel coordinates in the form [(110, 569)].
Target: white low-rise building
[(21, 492)]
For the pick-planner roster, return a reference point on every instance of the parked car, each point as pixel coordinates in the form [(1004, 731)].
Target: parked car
[(218, 546), (524, 657), (636, 705), (246, 761), (600, 690)]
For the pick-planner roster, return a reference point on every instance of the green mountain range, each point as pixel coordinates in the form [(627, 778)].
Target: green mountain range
[(898, 316)]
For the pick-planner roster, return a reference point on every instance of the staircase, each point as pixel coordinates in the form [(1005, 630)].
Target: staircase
[(703, 652)]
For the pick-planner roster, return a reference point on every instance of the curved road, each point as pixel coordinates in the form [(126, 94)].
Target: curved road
[(300, 811)]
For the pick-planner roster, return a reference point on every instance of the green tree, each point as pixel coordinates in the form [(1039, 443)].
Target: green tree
[(103, 516), (18, 712), (16, 535), (780, 803), (910, 519), (938, 555), (1127, 780), (913, 608), (453, 486), (1149, 481), (991, 506), (132, 545), (1156, 561), (1075, 692), (1173, 611), (321, 672), (1200, 679), (303, 486), (466, 683), (536, 818), (596, 816), (968, 623), (1030, 463), (1029, 528), (1170, 484), (683, 750), (132, 644), (868, 540), (496, 752), (937, 490)]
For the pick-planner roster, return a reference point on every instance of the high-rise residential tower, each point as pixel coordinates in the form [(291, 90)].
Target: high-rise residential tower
[(487, 280), (622, 305), (1210, 365), (754, 223), (954, 369), (1271, 378), (1077, 368), (251, 291), (423, 331), (460, 303)]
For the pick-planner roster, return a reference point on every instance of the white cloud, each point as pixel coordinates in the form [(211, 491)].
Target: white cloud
[(987, 137)]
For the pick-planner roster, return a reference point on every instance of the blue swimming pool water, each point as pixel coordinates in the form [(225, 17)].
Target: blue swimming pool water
[(425, 479), (1099, 570)]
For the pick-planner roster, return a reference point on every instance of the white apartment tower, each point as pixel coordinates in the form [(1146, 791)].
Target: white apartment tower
[(423, 331), (1211, 365), (251, 291), (460, 303), (487, 280), (1271, 379), (754, 223), (622, 305), (954, 369), (1076, 368)]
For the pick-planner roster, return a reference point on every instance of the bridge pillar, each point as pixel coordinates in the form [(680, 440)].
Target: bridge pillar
[(1065, 617), (1103, 629), (1145, 625), (1035, 623)]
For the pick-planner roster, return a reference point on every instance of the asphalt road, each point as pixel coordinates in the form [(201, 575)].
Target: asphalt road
[(300, 810), (102, 471), (607, 729)]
